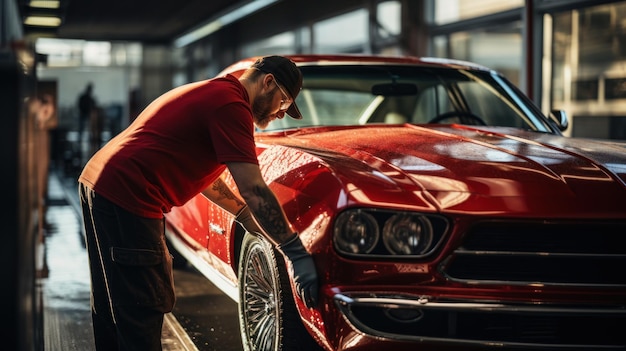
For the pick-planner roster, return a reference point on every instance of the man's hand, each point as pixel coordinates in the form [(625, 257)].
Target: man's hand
[(244, 217), (303, 270)]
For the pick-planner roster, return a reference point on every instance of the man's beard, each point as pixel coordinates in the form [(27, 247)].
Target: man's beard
[(261, 109)]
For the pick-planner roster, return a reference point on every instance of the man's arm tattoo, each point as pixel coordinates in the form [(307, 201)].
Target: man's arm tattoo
[(225, 193)]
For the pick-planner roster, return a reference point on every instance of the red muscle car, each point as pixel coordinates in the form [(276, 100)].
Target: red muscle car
[(444, 211)]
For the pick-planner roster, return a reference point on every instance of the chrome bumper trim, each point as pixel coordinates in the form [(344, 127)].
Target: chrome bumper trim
[(345, 304)]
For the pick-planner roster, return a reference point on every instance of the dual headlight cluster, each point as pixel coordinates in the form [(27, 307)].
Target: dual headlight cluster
[(369, 232)]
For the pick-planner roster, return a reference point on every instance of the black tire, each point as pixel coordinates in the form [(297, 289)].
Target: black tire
[(268, 319)]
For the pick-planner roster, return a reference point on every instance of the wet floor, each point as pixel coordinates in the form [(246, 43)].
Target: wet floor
[(67, 320), (203, 319)]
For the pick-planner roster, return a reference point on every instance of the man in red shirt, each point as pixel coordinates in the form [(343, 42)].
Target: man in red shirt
[(176, 148)]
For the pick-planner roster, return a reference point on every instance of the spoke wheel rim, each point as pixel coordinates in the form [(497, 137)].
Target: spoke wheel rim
[(260, 301)]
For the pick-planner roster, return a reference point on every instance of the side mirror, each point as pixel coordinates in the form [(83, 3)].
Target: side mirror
[(560, 118)]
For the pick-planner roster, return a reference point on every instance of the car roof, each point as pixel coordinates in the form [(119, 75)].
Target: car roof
[(360, 59)]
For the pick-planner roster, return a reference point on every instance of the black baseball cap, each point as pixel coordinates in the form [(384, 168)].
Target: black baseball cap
[(287, 75)]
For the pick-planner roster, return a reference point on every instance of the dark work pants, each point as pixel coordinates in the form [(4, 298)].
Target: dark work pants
[(131, 275)]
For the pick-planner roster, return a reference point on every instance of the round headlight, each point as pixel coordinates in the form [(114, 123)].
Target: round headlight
[(405, 234), (356, 232)]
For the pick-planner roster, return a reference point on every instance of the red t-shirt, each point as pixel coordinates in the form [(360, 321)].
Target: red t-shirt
[(175, 148)]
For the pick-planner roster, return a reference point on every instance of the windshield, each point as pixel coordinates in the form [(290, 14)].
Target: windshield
[(363, 94)]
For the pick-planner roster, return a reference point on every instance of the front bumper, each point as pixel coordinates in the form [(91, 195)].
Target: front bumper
[(460, 325)]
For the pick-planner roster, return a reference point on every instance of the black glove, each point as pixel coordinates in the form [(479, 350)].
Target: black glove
[(302, 269), (245, 219)]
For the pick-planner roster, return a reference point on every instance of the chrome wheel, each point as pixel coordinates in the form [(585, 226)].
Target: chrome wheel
[(268, 318), (259, 297)]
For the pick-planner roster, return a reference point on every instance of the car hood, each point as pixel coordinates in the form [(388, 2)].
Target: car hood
[(461, 168)]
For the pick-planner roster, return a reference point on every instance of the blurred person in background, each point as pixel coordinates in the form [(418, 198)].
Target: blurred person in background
[(43, 112), (87, 112)]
